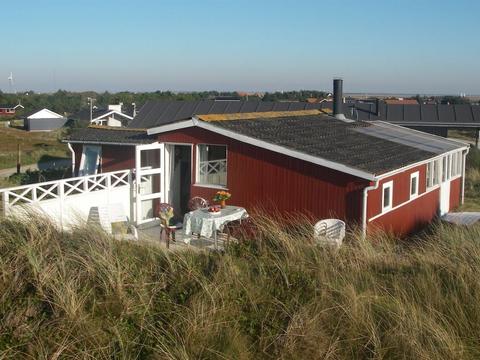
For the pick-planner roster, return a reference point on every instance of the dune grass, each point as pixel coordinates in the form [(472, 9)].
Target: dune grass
[(83, 295)]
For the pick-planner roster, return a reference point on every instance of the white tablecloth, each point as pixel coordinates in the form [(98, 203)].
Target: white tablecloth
[(204, 223)]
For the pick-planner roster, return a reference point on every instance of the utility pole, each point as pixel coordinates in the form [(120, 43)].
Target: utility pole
[(19, 159), (91, 101), (134, 109)]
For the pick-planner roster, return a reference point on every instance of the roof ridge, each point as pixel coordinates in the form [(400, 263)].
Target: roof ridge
[(116, 128)]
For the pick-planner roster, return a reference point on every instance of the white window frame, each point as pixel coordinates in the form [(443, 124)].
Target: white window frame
[(428, 174), (387, 185), (416, 176), (437, 173), (197, 167)]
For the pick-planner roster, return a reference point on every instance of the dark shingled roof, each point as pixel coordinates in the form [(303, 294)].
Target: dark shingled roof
[(361, 145), (156, 113), (463, 115), (105, 135)]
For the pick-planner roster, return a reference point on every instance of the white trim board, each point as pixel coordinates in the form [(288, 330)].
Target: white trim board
[(110, 113)]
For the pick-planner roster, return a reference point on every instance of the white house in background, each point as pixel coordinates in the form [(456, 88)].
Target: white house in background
[(112, 116), (44, 120)]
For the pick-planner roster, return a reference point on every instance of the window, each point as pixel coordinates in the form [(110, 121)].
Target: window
[(90, 160), (387, 196), (212, 165), (454, 165), (429, 174), (433, 173), (413, 185), (460, 163)]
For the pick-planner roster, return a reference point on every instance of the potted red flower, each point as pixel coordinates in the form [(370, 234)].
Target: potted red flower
[(221, 197)]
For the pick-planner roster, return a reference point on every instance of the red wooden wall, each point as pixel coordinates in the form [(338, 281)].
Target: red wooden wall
[(410, 217), (114, 157), (414, 214), (455, 193), (260, 178), (401, 190)]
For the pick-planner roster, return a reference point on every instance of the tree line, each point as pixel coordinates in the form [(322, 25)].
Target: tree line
[(68, 102)]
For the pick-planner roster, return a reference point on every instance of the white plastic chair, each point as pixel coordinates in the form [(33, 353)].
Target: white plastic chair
[(106, 215), (330, 231)]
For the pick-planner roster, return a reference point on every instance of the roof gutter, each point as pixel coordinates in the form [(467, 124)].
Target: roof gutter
[(463, 173), (104, 143), (365, 207), (73, 158)]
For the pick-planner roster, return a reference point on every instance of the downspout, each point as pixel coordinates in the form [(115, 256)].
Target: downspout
[(73, 158), (364, 211), (463, 173)]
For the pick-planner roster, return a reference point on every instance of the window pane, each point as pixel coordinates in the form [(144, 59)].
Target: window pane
[(454, 164), (386, 197), (460, 163), (150, 159), (413, 186), (449, 162), (436, 172), (91, 156), (150, 184), (444, 168), (429, 174), (212, 167)]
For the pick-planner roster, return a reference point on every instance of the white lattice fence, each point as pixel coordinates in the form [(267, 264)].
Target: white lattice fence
[(69, 200), (213, 171)]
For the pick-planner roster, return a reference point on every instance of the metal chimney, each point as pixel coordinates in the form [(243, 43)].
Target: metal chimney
[(338, 99)]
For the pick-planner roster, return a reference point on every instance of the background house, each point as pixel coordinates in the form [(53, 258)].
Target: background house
[(6, 110), (113, 116), (44, 120)]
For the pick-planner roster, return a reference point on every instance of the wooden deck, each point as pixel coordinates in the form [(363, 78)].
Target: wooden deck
[(462, 218)]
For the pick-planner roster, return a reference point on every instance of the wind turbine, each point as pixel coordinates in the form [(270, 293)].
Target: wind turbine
[(10, 80)]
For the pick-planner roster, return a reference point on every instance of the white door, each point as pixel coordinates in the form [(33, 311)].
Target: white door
[(444, 197), (149, 181)]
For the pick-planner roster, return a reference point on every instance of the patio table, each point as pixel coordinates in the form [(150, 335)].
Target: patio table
[(207, 224)]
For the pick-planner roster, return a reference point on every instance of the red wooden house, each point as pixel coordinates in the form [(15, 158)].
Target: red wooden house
[(9, 110), (295, 159)]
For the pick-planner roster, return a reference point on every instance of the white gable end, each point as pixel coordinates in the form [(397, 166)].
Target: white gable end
[(45, 114)]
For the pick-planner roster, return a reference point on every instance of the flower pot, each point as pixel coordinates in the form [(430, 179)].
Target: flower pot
[(222, 204)]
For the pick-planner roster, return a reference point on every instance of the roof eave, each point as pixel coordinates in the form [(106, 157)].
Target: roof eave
[(102, 142)]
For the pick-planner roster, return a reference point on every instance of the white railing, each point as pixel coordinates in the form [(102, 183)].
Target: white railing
[(77, 194), (212, 167)]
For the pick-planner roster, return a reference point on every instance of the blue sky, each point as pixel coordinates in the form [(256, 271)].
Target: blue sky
[(405, 46)]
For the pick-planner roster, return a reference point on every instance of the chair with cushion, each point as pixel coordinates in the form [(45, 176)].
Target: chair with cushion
[(168, 222), (330, 232)]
